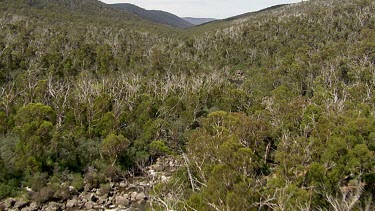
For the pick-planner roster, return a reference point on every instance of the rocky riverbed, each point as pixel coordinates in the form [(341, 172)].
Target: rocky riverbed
[(130, 194)]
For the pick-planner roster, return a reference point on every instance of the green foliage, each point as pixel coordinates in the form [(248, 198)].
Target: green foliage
[(37, 181), (34, 125), (274, 111), (77, 182), (113, 147), (5, 190), (94, 179), (159, 148), (3, 123), (105, 125)]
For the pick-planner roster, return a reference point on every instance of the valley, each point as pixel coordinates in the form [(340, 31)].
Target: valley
[(269, 110)]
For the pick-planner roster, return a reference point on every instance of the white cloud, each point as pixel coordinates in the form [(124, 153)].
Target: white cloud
[(204, 8)]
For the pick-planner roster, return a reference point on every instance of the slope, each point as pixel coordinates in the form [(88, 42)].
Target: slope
[(154, 15), (228, 22), (273, 111), (80, 12)]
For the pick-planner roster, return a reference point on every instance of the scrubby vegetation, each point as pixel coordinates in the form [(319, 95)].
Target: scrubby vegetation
[(273, 111)]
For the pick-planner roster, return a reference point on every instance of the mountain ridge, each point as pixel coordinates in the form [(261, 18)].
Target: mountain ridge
[(270, 111), (157, 16)]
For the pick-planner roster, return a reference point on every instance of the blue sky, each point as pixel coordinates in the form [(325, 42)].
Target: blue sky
[(204, 8)]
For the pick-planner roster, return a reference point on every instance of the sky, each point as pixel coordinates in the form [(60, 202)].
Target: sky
[(204, 8)]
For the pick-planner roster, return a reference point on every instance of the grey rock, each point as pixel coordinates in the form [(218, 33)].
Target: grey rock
[(110, 199), (133, 196), (112, 185), (121, 206), (103, 199), (71, 203), (87, 188), (32, 207), (140, 196), (71, 188), (8, 203), (89, 205), (164, 179), (98, 207), (54, 206), (121, 200), (81, 204), (157, 167), (123, 184), (91, 197), (21, 204)]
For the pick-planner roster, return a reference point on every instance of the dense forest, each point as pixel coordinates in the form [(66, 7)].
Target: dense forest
[(270, 111)]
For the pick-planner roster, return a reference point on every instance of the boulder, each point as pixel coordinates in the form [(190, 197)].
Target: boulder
[(103, 199), (97, 207), (123, 184), (54, 206), (112, 185), (121, 200), (133, 196), (164, 179), (121, 206), (8, 203), (91, 197), (71, 203), (21, 204), (110, 199), (87, 188), (89, 205), (157, 167), (141, 196), (81, 204), (71, 188), (32, 207)]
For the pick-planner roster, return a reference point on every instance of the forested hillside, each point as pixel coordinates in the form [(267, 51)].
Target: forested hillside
[(269, 111), (157, 16)]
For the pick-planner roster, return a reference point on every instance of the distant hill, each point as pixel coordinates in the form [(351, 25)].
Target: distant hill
[(228, 22), (256, 12), (92, 97), (198, 21), (82, 11), (154, 15)]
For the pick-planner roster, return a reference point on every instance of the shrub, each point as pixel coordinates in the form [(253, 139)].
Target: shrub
[(5, 190), (113, 146), (105, 189), (94, 179), (37, 181), (61, 192), (77, 182), (159, 148), (112, 173), (44, 195)]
